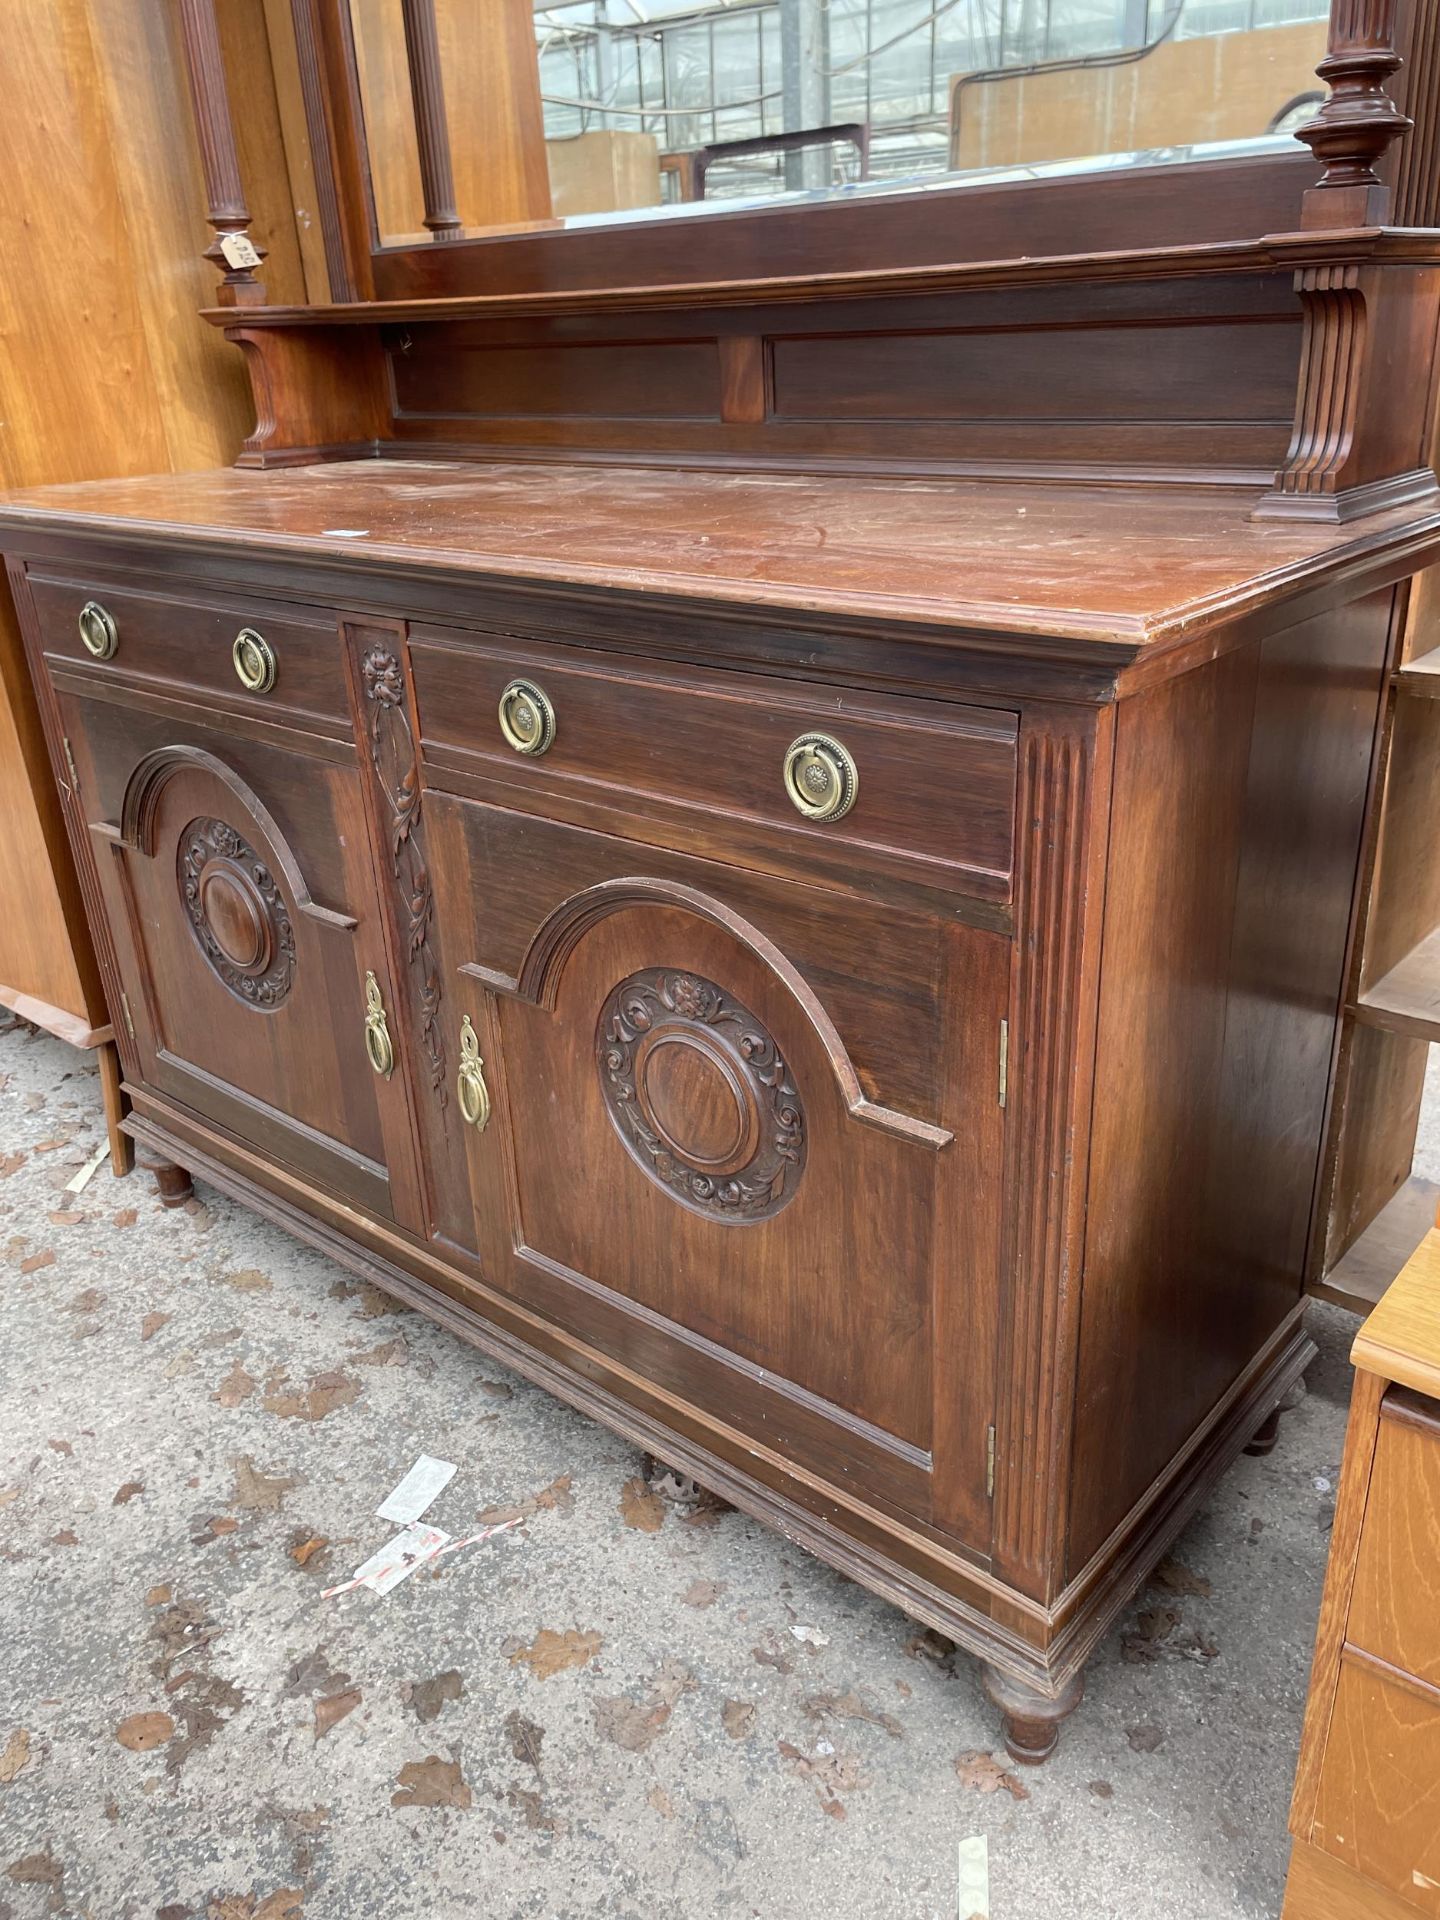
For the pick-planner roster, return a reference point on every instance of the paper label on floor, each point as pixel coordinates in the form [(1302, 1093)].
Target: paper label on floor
[(399, 1558), (973, 1897), (421, 1484)]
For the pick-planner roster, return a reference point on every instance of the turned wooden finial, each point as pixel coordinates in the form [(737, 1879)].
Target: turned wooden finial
[(1352, 132), (432, 130), (226, 211)]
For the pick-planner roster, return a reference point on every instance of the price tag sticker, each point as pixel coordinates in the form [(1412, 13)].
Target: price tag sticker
[(239, 250)]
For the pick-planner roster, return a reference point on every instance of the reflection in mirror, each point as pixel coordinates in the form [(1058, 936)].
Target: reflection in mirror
[(579, 110)]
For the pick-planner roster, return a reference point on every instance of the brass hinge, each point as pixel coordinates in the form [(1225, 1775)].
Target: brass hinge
[(70, 763), (1004, 1058), (990, 1463), (129, 1018)]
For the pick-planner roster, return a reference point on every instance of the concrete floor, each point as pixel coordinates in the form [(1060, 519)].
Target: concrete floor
[(617, 1712)]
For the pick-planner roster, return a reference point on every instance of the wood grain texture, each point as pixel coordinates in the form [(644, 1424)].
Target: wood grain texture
[(1401, 1339), (1378, 1804), (1319, 1888), (1391, 1607)]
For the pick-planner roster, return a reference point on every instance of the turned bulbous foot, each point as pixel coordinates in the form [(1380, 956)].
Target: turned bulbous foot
[(1031, 1719), (172, 1182), (1266, 1434)]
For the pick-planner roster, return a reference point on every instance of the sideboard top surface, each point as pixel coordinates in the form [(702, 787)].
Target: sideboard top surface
[(1121, 568)]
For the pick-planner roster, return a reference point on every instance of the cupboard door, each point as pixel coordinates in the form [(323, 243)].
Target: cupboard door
[(237, 881), (744, 1136)]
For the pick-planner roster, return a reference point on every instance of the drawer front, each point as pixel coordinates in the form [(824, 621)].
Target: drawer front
[(700, 758), (1393, 1612), (184, 645), (1378, 1807)]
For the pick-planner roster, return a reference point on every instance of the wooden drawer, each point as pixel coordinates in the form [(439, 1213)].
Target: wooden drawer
[(1393, 1608), (695, 759), (1378, 1807), (178, 645)]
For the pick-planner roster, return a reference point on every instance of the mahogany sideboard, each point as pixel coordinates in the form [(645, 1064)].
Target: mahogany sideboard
[(768, 816), (932, 1178)]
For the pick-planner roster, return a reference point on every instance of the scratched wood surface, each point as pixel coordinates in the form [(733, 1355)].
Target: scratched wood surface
[(1097, 564)]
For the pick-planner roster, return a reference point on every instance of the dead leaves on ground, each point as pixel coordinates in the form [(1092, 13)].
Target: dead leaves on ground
[(550, 1653), (237, 1386), (634, 1724), (16, 1755), (849, 1706), (332, 1708), (1173, 1576), (322, 1395), (431, 1782), (830, 1770), (152, 1324), (33, 1263), (259, 1492), (703, 1593), (305, 1550), (143, 1732), (525, 1737), (286, 1904), (641, 1507), (427, 1698), (124, 1495), (738, 1718), (986, 1774), (556, 1498)]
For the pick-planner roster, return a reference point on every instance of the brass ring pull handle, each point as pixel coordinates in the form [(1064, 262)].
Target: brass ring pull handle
[(377, 1034), (821, 778), (470, 1085), (99, 634), (255, 662), (527, 718)]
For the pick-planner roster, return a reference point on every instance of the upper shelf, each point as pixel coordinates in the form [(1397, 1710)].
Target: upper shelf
[(1117, 569)]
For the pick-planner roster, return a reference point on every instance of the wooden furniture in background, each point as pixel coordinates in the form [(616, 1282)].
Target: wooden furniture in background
[(772, 825), (1366, 1812), (103, 372)]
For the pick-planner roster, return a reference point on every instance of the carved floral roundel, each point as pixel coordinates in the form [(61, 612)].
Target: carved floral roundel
[(236, 912), (700, 1095)]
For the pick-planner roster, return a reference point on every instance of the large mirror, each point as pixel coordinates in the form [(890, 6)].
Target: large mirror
[(579, 111)]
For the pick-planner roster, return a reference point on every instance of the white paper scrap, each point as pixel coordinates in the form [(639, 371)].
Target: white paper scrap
[(78, 1182), (973, 1894), (395, 1561), (421, 1484)]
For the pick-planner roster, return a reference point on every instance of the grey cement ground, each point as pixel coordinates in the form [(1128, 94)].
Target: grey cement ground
[(703, 1759)]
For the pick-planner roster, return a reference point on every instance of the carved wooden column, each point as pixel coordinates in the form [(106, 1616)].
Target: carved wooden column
[(1352, 132), (226, 211), (432, 131)]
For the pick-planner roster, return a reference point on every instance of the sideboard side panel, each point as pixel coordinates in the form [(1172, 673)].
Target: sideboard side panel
[(1239, 802)]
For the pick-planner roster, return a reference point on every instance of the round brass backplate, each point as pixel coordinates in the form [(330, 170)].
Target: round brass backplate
[(821, 778), (255, 663), (527, 718), (98, 633)]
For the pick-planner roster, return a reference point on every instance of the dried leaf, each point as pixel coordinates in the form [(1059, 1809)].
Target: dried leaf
[(152, 1324), (551, 1653), (660, 1800), (36, 1870), (126, 1217), (986, 1774), (330, 1711), (259, 1492), (556, 1498), (1102, 1789), (703, 1593), (8, 1496), (533, 1809), (124, 1495), (930, 1645), (830, 1771), (431, 1782), (64, 1217), (850, 1706), (738, 1718), (1173, 1576), (427, 1697), (142, 1731), (12, 1163), (38, 1260), (1145, 1738), (497, 1389), (633, 1724), (314, 1674), (222, 1523), (248, 1280), (90, 1301), (60, 1446), (390, 1353), (66, 1537), (325, 1392), (525, 1737), (640, 1507), (375, 1305), (235, 1387), (306, 1551), (16, 1756), (285, 1905)]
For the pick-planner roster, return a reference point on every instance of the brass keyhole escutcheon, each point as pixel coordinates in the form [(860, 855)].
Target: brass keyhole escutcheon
[(99, 634), (527, 718), (378, 1046), (821, 778), (255, 662), (470, 1087)]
